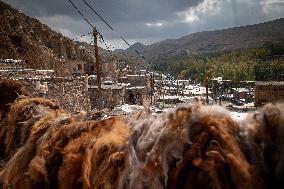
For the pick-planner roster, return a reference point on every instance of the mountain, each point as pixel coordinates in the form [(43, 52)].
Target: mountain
[(139, 47), (237, 38), (22, 37), (131, 57)]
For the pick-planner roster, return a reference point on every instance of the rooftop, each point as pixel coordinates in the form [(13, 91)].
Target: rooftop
[(278, 83), (106, 87)]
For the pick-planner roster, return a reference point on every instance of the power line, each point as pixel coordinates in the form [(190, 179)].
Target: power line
[(111, 27), (114, 57), (125, 41), (98, 15), (79, 12), (76, 38), (100, 35)]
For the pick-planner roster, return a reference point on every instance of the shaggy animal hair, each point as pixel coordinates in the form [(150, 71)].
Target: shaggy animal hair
[(9, 91), (22, 117), (188, 147), (191, 146), (265, 139), (75, 155), (45, 147)]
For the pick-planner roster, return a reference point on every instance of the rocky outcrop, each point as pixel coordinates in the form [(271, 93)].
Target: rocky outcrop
[(22, 37)]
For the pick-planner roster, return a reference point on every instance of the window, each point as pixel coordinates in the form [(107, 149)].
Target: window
[(79, 67)]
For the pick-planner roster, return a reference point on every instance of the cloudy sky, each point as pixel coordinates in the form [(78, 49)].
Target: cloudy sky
[(149, 21)]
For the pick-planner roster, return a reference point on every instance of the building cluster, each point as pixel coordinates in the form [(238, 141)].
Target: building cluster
[(266, 92), (125, 86)]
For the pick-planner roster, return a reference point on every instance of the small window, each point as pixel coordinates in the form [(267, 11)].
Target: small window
[(79, 67)]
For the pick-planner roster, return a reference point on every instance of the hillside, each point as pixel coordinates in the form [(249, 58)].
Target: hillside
[(238, 38), (22, 37)]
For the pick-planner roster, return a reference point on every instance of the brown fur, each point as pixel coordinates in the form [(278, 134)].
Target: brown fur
[(9, 91), (266, 143), (193, 146), (189, 147), (76, 155)]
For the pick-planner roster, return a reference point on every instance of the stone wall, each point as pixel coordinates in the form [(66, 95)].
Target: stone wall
[(135, 80), (266, 92), (69, 92), (135, 95), (110, 97)]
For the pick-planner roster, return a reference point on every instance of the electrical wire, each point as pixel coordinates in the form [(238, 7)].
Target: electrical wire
[(80, 13), (100, 35), (98, 15), (109, 25), (114, 57), (81, 36)]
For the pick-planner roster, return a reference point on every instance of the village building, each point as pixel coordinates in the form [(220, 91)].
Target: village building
[(109, 68), (111, 95), (268, 92), (11, 64), (135, 95), (244, 94), (77, 67), (135, 80), (169, 99), (69, 92), (25, 73), (197, 90)]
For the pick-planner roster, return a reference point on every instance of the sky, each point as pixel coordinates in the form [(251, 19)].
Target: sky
[(148, 21)]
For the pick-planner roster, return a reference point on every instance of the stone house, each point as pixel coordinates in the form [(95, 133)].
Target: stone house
[(268, 92), (111, 96)]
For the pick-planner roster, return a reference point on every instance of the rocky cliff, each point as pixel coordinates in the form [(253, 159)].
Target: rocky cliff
[(22, 37)]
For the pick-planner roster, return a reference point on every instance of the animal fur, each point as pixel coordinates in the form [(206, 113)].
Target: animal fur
[(191, 146), (74, 155), (10, 90), (187, 147), (265, 138)]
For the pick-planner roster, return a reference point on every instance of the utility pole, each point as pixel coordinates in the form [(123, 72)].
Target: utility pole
[(206, 84), (177, 88), (163, 92), (86, 83), (98, 67), (152, 87)]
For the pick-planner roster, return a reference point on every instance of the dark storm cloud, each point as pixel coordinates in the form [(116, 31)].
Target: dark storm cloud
[(114, 10), (150, 21)]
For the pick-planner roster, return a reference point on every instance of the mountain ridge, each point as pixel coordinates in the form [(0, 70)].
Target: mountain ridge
[(23, 37), (206, 42)]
